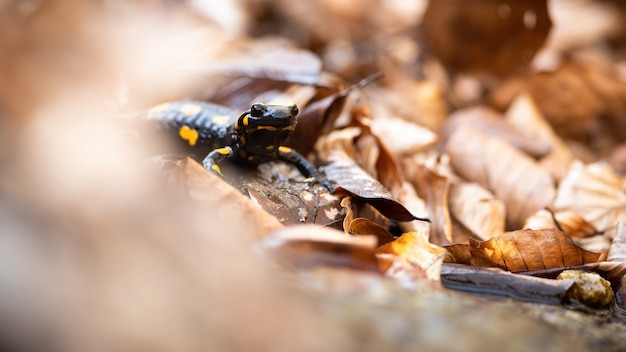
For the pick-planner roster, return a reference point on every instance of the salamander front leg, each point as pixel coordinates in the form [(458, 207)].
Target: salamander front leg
[(306, 169), (215, 156)]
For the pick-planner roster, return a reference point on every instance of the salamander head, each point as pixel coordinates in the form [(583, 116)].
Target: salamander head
[(263, 128)]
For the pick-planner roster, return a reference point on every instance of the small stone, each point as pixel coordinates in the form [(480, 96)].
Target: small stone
[(589, 288)]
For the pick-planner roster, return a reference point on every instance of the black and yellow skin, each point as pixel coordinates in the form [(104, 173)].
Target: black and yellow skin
[(251, 138)]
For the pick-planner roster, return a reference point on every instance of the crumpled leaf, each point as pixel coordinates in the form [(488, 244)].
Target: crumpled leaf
[(498, 37), (512, 176), (477, 209), (203, 186), (309, 246), (403, 137), (411, 254), (524, 250), (350, 179), (596, 192)]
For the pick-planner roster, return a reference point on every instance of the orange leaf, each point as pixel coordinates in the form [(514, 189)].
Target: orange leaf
[(523, 250), (411, 253)]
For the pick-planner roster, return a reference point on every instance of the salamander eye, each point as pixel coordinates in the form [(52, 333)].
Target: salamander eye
[(257, 110), (293, 110)]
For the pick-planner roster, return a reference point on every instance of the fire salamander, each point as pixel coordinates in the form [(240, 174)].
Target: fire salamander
[(251, 138)]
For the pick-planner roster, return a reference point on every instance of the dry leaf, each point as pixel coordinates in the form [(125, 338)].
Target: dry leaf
[(295, 202), (515, 178), (411, 254), (567, 221), (477, 209), (458, 253), (362, 226), (494, 36), (434, 188), (617, 253), (350, 179), (486, 120), (201, 185), (401, 136), (596, 192), (308, 246), (526, 116), (524, 250)]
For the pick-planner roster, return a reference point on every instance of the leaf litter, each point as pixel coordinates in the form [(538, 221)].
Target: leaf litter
[(478, 170)]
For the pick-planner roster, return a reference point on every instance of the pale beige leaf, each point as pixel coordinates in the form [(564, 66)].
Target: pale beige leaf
[(595, 191), (403, 137), (477, 209), (514, 177), (572, 223), (617, 253), (526, 116)]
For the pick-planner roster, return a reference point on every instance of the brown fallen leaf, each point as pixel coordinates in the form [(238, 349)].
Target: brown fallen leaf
[(524, 250), (493, 36), (362, 226), (434, 189), (596, 192), (477, 209), (294, 202), (309, 246), (458, 253), (488, 121), (350, 179), (411, 254), (203, 186), (568, 221), (512, 176), (530, 122)]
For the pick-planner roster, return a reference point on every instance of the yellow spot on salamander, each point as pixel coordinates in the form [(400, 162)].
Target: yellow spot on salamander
[(245, 121), (220, 119), (270, 147), (269, 128), (284, 149), (217, 169), (223, 151), (190, 109), (288, 128), (188, 134), (157, 109), (250, 158), (242, 139)]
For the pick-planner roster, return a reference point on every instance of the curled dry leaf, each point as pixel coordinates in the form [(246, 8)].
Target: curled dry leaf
[(411, 254), (362, 226), (524, 250), (458, 253), (350, 179), (514, 177), (308, 246), (477, 209), (488, 121), (596, 192), (201, 185)]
